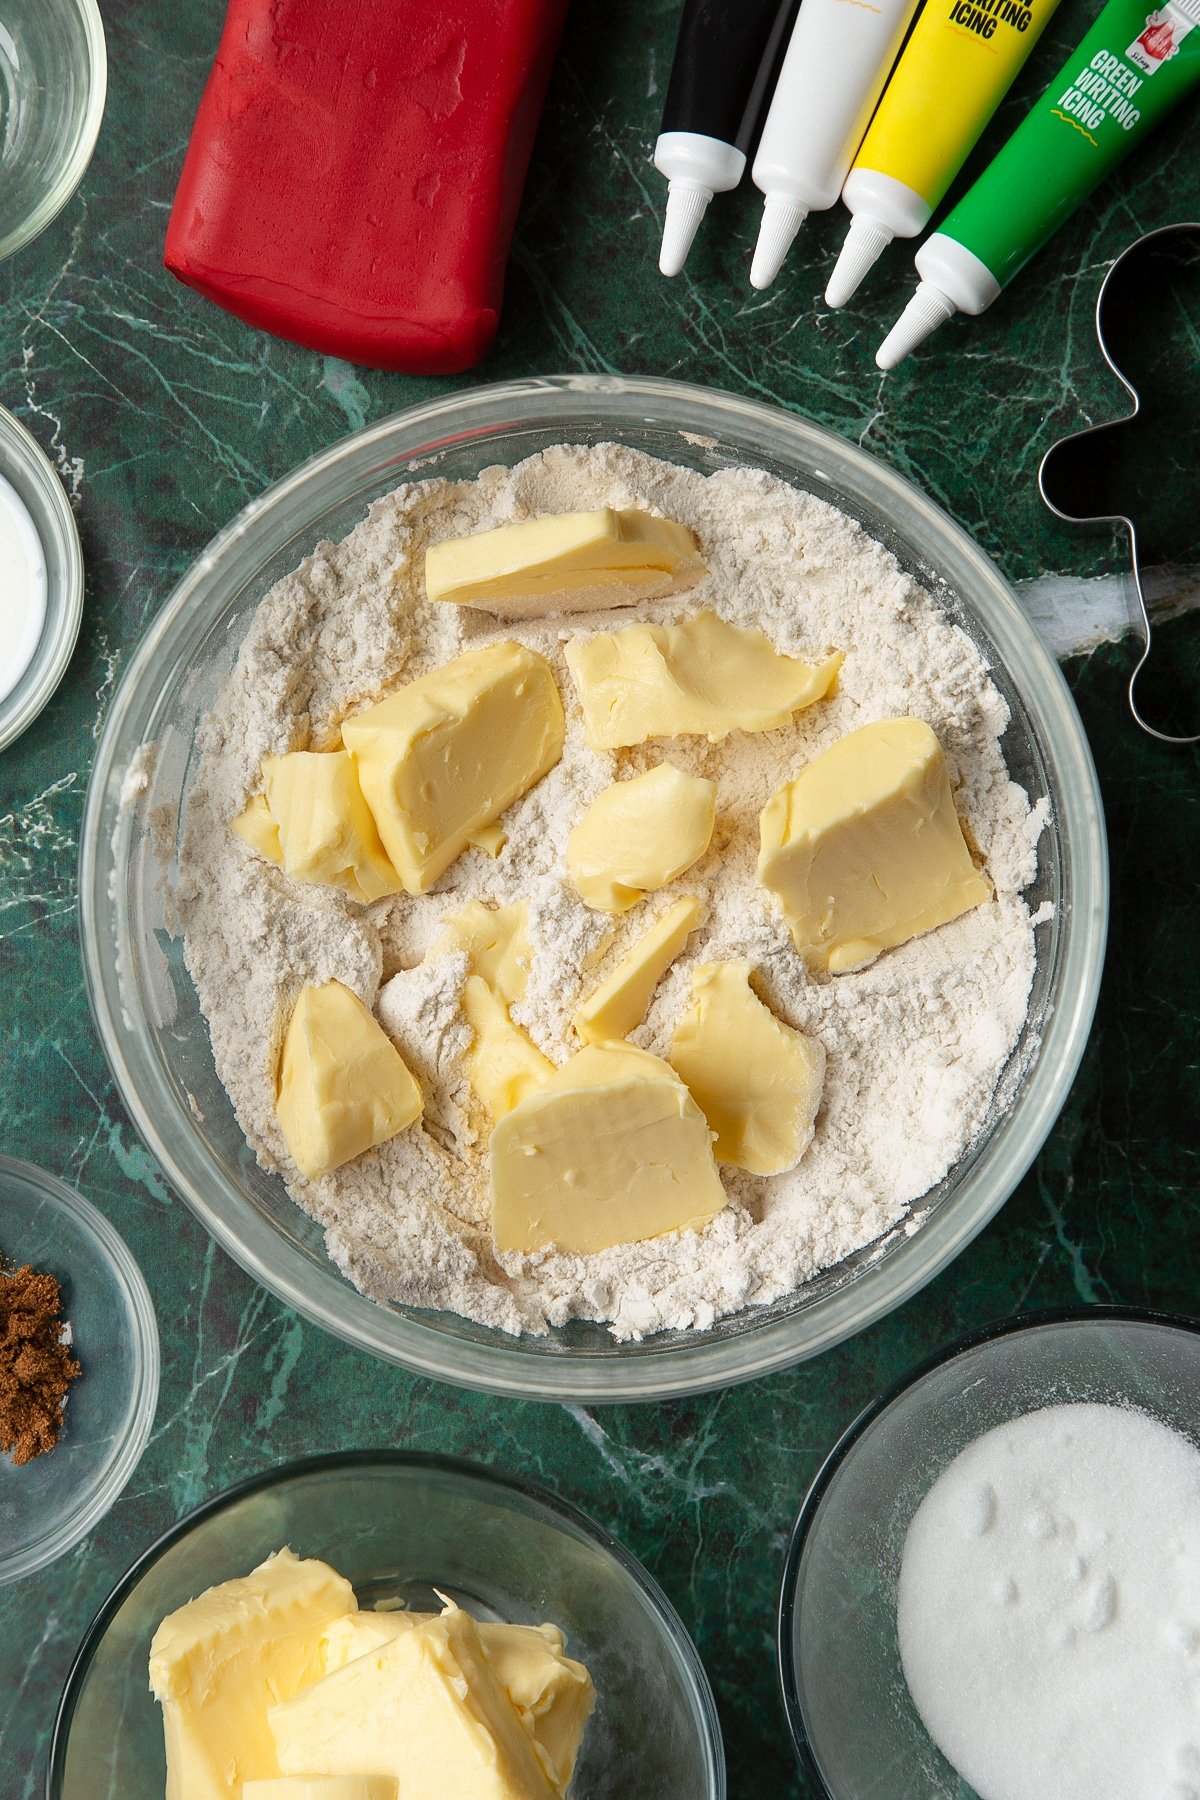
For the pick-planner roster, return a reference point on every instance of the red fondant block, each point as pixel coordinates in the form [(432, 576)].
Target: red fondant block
[(355, 169)]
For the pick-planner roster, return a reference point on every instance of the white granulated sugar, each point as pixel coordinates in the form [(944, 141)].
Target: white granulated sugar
[(915, 1043), (1048, 1609)]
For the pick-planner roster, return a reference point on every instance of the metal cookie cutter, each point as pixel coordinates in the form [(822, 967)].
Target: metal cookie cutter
[(1130, 471)]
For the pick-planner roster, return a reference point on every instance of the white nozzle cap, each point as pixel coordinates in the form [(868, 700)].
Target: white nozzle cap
[(927, 309), (686, 206), (865, 243), (781, 221)]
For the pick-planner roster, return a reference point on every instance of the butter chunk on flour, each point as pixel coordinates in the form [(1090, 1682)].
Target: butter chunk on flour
[(639, 835), (610, 1149), (618, 1005), (566, 562), (443, 757), (343, 1085), (863, 848), (217, 1663), (702, 678)]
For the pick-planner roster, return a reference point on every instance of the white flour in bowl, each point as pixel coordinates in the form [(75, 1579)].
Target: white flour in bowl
[(915, 1043)]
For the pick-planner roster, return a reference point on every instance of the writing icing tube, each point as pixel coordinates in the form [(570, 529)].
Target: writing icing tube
[(725, 56), (1133, 66), (838, 58), (961, 60)]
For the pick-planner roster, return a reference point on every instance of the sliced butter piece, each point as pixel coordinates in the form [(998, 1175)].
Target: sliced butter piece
[(704, 677), (343, 1085), (496, 941), (326, 832), (446, 755), (550, 1690), (612, 1149), (619, 1004), (863, 848), (504, 1065), (757, 1081), (428, 1709), (217, 1663), (322, 1787), (564, 563), (638, 835), (255, 826)]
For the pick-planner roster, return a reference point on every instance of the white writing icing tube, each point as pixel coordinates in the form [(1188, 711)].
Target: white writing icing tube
[(840, 55)]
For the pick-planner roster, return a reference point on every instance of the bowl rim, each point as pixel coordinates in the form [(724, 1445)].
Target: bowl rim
[(112, 1250), (694, 1363), (87, 131), (1015, 1324), (483, 1473)]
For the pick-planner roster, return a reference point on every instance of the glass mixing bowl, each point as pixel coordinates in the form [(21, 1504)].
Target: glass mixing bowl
[(857, 1733), (146, 1008), (399, 1526), (53, 81)]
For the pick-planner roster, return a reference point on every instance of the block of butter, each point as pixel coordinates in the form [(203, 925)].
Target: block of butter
[(443, 757), (611, 1149), (618, 1005), (343, 1085), (757, 1080), (496, 942), (551, 1691), (321, 1787), (702, 678), (564, 563), (504, 1065), (863, 848), (217, 1663), (640, 834), (325, 830), (426, 1708)]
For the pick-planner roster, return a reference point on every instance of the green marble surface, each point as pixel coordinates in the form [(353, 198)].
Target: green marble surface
[(164, 416)]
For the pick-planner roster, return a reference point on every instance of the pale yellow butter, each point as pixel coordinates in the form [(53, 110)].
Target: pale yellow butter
[(496, 941), (610, 1150), (619, 1004), (864, 849), (322, 1787), (443, 757), (343, 1085), (550, 1690), (504, 1065), (217, 1663), (326, 832), (255, 826), (704, 678), (426, 1708), (566, 562), (640, 834), (757, 1081)]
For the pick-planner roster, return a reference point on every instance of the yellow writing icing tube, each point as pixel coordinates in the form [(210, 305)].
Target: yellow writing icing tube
[(961, 60)]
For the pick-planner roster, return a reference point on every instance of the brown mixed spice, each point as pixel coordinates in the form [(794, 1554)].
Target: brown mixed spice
[(36, 1367)]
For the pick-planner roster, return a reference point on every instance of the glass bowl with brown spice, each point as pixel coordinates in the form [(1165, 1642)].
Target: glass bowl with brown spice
[(78, 1367)]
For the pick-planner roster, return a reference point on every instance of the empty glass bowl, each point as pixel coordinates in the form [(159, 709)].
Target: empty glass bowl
[(856, 1730), (399, 1526), (53, 80), (48, 1504), (146, 1007)]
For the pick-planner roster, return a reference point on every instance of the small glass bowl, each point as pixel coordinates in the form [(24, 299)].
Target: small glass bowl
[(400, 1526), (145, 1004), (53, 82), (48, 1504), (25, 467), (857, 1734)]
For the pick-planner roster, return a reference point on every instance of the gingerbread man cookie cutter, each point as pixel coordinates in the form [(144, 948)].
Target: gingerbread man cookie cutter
[(1148, 326)]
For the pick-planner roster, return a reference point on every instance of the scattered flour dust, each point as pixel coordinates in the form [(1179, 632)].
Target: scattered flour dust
[(915, 1043)]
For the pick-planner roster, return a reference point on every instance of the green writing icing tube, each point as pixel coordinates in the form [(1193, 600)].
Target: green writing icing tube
[(1133, 66)]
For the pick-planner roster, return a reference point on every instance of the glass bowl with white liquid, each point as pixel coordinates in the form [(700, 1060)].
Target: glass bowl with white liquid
[(41, 579)]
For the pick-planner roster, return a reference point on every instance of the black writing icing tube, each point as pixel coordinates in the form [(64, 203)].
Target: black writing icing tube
[(725, 58)]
